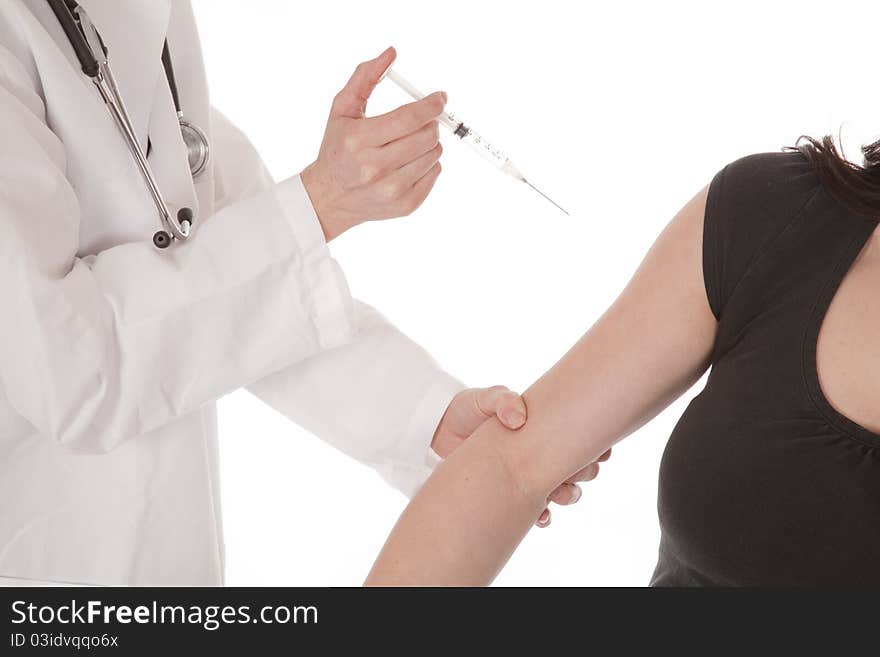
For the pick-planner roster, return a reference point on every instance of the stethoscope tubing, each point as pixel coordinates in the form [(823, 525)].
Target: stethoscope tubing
[(106, 87), (86, 43), (83, 52)]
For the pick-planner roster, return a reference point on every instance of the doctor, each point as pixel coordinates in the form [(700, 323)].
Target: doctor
[(113, 351)]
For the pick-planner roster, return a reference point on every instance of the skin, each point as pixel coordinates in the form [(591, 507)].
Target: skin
[(383, 167), (848, 353), (471, 408), (374, 168), (648, 348)]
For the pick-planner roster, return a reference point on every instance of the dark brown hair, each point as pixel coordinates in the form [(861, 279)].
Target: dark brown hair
[(856, 186)]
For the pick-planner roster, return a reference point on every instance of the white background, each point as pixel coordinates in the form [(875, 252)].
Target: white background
[(621, 111)]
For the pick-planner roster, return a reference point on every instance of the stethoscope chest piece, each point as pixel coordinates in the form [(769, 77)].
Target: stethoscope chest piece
[(197, 151)]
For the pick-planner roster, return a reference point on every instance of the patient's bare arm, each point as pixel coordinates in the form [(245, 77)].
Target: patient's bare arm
[(649, 347)]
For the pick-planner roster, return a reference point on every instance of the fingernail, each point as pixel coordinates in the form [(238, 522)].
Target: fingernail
[(515, 419), (577, 494), (444, 96)]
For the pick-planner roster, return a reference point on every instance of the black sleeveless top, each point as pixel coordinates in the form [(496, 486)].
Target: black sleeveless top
[(763, 482)]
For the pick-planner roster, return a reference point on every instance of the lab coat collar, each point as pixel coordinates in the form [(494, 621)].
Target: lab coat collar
[(134, 33)]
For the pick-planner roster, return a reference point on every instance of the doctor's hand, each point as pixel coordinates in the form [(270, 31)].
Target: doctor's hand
[(378, 167), (470, 408)]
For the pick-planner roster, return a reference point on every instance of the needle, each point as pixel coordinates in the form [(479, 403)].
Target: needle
[(545, 196), (469, 136)]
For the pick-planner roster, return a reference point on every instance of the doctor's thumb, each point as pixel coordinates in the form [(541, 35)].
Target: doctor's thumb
[(352, 100)]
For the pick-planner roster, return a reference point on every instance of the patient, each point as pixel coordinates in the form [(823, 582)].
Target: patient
[(772, 475)]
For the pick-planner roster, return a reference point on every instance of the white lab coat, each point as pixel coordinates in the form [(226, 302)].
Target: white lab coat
[(113, 353)]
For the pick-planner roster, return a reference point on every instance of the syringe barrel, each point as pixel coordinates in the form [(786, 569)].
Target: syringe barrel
[(450, 121), (482, 146), (460, 129)]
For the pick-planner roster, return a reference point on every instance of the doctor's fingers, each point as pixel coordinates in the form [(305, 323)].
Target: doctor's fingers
[(403, 121), (543, 519), (587, 473), (503, 403), (569, 492), (565, 494), (351, 101), (398, 183), (399, 152), (419, 192), (412, 171)]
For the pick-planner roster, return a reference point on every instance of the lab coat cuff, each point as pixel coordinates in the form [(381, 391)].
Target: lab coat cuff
[(330, 300), (417, 449)]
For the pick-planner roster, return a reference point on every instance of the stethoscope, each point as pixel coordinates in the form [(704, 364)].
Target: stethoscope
[(86, 42)]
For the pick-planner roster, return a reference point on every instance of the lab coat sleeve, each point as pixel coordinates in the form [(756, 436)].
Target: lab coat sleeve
[(99, 349), (379, 397)]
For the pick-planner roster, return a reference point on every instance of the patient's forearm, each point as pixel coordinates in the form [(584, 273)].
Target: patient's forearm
[(443, 537), (647, 349), (472, 513)]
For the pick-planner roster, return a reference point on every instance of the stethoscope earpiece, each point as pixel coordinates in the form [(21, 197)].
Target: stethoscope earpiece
[(161, 239), (185, 219)]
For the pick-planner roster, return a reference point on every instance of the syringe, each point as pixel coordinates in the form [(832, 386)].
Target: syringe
[(469, 136)]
